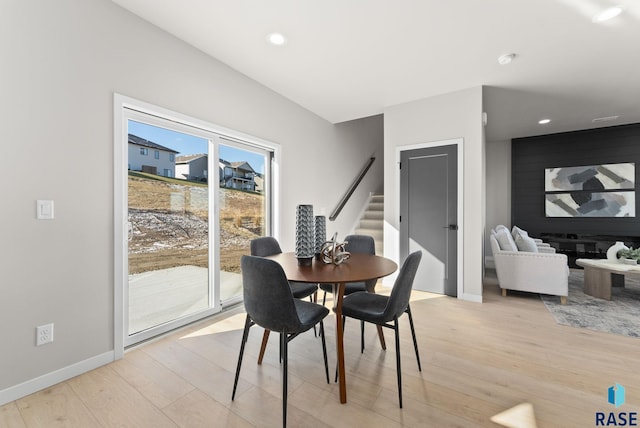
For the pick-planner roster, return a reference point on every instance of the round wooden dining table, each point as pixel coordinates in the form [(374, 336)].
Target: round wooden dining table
[(359, 267)]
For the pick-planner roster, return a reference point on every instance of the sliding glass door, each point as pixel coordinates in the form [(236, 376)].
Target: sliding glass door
[(168, 218), (194, 201), (244, 208)]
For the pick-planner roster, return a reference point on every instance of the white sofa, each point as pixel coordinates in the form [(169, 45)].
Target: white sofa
[(528, 268)]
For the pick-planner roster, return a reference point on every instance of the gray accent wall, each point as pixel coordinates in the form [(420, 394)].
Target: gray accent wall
[(530, 157)]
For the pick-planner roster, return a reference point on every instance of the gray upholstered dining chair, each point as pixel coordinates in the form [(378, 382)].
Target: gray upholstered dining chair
[(270, 304), (385, 310), (357, 244), (268, 246)]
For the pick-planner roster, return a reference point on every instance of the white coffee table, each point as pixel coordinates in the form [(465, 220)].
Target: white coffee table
[(597, 275)]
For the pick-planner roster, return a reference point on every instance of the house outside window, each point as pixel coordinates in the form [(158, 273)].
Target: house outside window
[(237, 175), (172, 157), (139, 159)]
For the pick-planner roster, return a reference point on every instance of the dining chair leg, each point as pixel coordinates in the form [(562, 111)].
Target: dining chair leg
[(263, 345), (315, 333), (413, 334), (324, 351), (245, 334), (395, 327), (383, 345), (283, 345)]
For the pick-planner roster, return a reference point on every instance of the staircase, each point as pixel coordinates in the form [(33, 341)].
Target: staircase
[(372, 222)]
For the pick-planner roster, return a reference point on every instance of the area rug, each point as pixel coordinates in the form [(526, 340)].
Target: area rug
[(620, 315)]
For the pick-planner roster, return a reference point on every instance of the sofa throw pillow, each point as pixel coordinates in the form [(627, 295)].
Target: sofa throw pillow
[(505, 240), (515, 231), (525, 243), (499, 227)]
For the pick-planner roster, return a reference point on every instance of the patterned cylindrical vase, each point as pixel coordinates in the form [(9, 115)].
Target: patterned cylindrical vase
[(321, 233), (305, 231)]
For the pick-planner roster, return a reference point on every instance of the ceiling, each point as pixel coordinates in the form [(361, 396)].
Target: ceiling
[(347, 59)]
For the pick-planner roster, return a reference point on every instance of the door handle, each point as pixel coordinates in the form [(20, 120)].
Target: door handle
[(451, 227)]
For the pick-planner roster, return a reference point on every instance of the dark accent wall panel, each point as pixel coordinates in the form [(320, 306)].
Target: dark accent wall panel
[(530, 157)]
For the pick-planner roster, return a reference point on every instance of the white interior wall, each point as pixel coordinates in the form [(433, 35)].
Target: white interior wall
[(498, 200), (62, 63), (445, 117)]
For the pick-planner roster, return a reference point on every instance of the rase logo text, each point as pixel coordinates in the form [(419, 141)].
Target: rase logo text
[(615, 396)]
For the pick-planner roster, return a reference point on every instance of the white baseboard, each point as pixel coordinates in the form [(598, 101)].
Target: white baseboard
[(45, 381), (464, 296), (470, 297)]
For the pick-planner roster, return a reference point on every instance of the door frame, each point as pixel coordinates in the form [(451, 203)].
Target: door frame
[(120, 198), (459, 142)]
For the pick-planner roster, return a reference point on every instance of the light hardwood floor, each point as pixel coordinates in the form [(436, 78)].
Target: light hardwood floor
[(478, 360)]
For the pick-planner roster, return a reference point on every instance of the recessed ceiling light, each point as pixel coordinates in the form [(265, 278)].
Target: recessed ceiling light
[(277, 39), (607, 14), (506, 58), (544, 121)]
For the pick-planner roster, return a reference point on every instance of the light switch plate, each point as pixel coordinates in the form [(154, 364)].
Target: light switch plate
[(44, 209)]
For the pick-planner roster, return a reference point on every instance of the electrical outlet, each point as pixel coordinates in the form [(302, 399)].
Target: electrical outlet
[(44, 334)]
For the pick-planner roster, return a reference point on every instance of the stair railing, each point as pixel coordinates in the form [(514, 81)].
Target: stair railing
[(351, 189)]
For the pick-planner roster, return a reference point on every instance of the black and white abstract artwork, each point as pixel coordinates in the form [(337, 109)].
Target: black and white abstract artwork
[(606, 190), (591, 178), (591, 204)]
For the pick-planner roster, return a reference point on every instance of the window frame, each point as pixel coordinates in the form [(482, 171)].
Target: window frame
[(126, 108)]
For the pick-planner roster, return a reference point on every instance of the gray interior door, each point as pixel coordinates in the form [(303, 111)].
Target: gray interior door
[(428, 215)]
